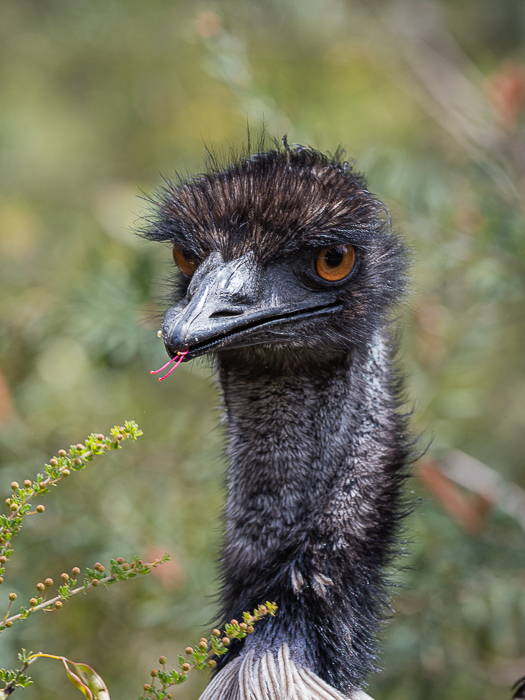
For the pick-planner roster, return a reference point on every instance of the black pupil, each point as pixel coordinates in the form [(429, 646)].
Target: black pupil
[(333, 257)]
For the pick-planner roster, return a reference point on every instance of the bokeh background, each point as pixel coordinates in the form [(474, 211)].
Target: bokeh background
[(99, 98)]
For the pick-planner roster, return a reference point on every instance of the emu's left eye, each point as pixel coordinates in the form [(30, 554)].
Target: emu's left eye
[(336, 263), (184, 261)]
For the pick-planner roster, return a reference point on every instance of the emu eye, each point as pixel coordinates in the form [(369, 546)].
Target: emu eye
[(184, 261), (335, 263)]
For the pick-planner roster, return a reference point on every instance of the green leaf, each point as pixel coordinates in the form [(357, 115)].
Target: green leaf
[(75, 680), (87, 681)]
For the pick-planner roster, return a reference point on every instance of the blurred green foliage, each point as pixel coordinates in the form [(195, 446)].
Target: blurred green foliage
[(97, 99)]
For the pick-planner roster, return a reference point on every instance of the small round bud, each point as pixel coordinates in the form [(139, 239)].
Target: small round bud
[(33, 602), (75, 571), (153, 673), (140, 562), (120, 560), (80, 447), (233, 622), (62, 453), (125, 566), (100, 436), (13, 507), (1, 580), (169, 696), (216, 633), (225, 641), (65, 472), (28, 483), (8, 624), (146, 686), (243, 625), (48, 582), (8, 501), (40, 586), (64, 577), (162, 660), (40, 508), (189, 650), (15, 485), (12, 596), (212, 663), (249, 629), (59, 604), (98, 566), (203, 644), (95, 582), (3, 559), (185, 667), (77, 462), (120, 436), (100, 446), (53, 462)]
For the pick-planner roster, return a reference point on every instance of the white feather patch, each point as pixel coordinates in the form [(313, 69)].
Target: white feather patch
[(271, 678)]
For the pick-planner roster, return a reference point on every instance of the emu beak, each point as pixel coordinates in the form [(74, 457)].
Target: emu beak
[(237, 303)]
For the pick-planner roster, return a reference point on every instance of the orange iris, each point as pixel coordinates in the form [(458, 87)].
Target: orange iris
[(335, 263), (184, 261)]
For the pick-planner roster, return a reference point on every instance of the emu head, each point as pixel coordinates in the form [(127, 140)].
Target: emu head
[(283, 256)]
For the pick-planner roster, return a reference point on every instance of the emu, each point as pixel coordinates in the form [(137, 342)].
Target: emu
[(289, 271)]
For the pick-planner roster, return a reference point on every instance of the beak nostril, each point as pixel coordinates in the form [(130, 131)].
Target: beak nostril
[(226, 312)]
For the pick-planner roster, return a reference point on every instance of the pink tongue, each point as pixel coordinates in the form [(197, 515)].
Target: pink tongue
[(177, 359)]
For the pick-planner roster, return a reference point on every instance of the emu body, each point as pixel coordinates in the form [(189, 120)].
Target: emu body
[(316, 444)]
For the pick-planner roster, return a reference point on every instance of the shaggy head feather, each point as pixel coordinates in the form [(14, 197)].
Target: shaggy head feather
[(284, 205)]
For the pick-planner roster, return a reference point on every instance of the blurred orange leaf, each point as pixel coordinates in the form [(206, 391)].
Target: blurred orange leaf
[(469, 512), (6, 402)]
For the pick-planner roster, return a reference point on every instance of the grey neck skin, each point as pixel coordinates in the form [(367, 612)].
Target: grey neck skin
[(316, 458)]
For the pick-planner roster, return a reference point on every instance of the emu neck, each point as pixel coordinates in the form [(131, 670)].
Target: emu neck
[(313, 488)]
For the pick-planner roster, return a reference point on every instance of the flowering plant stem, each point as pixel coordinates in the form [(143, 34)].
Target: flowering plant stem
[(201, 657), (59, 467), (93, 687), (81, 675), (120, 570)]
